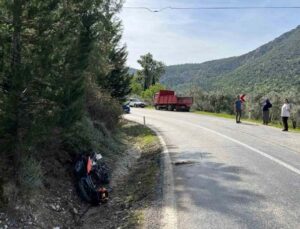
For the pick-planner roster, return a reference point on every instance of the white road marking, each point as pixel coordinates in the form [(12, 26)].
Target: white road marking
[(280, 162), (274, 159), (169, 217)]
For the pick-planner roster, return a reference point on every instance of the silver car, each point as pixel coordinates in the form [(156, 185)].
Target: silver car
[(136, 103)]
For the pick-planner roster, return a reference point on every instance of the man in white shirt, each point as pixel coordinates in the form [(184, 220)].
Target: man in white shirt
[(285, 114)]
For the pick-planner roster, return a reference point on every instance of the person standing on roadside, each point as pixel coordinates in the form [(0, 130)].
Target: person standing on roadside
[(266, 113), (238, 109), (285, 114)]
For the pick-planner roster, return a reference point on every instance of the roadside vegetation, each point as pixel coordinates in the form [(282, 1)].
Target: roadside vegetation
[(144, 182), (257, 121), (134, 160), (135, 184), (63, 78), (223, 105), (62, 81), (145, 82)]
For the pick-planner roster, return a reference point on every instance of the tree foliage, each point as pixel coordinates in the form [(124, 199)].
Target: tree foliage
[(51, 54), (222, 102), (151, 71), (148, 95)]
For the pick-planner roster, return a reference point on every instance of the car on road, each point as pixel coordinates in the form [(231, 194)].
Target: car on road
[(126, 108), (133, 102)]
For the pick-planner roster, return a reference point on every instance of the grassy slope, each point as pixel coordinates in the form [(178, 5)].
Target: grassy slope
[(128, 199)]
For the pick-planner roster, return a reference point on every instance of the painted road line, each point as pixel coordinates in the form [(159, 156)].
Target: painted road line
[(274, 159)]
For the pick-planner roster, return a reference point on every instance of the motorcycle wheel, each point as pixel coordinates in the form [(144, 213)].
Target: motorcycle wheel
[(83, 190)]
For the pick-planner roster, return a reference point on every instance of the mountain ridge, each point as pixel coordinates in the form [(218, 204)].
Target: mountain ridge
[(275, 65)]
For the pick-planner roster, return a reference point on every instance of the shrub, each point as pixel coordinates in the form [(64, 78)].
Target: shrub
[(103, 108), (85, 136), (150, 92), (220, 102)]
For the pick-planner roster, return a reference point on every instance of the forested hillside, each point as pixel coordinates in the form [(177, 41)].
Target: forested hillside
[(272, 67), (62, 81)]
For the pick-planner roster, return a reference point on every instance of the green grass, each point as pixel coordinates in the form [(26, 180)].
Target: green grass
[(220, 115), (143, 178), (228, 116), (150, 107)]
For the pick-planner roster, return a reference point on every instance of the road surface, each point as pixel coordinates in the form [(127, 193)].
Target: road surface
[(233, 175)]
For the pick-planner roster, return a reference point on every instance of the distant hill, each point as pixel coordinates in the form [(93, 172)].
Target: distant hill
[(274, 66)]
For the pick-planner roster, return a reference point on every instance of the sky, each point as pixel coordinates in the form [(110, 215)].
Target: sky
[(196, 36)]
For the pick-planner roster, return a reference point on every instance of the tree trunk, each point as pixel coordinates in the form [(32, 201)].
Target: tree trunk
[(17, 82)]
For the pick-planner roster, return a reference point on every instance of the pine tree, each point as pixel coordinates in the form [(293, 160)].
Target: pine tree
[(49, 50), (114, 77)]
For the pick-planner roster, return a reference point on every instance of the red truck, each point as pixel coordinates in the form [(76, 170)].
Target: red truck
[(166, 99)]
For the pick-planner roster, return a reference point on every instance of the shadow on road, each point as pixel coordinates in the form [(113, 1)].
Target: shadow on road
[(216, 190), (248, 124)]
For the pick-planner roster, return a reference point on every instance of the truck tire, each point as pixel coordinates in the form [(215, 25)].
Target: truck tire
[(169, 107), (156, 107)]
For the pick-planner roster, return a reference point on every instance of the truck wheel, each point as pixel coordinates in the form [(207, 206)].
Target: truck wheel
[(156, 107), (169, 108)]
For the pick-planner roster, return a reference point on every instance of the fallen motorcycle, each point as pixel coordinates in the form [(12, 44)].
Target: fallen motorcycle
[(92, 174)]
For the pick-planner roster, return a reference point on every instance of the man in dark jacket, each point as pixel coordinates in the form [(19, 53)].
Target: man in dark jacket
[(238, 109), (266, 112)]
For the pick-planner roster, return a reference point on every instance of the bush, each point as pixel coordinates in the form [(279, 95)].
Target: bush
[(151, 91), (219, 102), (85, 136), (212, 102), (93, 131), (102, 108)]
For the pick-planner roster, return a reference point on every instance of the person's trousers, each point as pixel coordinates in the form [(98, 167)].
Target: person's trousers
[(238, 115), (266, 117), (285, 123)]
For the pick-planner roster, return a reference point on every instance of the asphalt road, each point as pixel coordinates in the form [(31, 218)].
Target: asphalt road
[(233, 175)]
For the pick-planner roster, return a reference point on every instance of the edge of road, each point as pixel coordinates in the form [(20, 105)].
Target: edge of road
[(249, 121), (232, 117), (169, 214), (169, 211)]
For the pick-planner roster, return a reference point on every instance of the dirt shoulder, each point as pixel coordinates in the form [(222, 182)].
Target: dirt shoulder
[(135, 196)]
